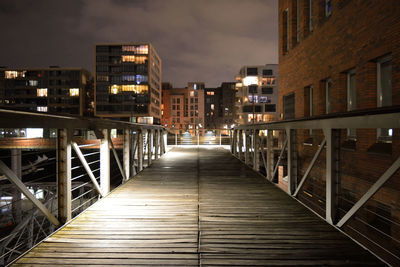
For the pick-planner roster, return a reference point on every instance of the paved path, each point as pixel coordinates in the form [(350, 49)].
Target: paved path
[(198, 207)]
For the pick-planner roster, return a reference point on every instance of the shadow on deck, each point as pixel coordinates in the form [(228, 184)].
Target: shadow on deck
[(198, 206)]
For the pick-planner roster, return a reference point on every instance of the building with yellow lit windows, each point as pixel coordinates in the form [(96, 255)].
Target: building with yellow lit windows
[(54, 90), (257, 94), (128, 82)]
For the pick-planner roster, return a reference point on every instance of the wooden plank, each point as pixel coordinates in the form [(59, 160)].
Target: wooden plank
[(206, 208)]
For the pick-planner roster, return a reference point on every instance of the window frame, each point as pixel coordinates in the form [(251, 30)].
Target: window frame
[(380, 136)]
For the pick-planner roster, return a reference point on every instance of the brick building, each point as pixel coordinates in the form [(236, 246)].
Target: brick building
[(183, 108), (343, 56)]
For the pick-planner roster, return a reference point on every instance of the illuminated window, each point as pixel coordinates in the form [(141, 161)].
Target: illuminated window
[(128, 58), (41, 109), (115, 89), (265, 99), (128, 78), (250, 80), (141, 78), (142, 49), (33, 83), (12, 74), (192, 95), (251, 97), (74, 92), (141, 59), (268, 81), (139, 89), (210, 93), (128, 48), (41, 92)]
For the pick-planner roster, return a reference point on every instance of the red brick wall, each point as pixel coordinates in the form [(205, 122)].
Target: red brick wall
[(356, 34)]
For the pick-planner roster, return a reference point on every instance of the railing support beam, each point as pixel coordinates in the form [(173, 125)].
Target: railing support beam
[(24, 190), (270, 155), (64, 154), (140, 149), (127, 146), (256, 150), (105, 162), (292, 160), (332, 137), (149, 146)]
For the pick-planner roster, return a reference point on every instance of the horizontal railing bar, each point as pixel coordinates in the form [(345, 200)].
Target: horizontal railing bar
[(84, 203), (22, 119), (370, 118)]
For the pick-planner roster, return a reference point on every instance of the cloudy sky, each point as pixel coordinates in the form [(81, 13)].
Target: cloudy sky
[(197, 40)]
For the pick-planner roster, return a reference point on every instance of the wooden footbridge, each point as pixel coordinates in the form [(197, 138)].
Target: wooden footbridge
[(198, 207)]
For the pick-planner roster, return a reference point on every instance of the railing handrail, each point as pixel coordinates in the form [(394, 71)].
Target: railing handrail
[(24, 119), (365, 118)]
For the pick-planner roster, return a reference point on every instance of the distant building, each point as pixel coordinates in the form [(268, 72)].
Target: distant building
[(219, 106), (211, 108), (183, 108), (128, 82), (337, 57), (257, 94), (53, 90)]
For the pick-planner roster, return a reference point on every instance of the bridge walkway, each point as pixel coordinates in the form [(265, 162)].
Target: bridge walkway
[(198, 207)]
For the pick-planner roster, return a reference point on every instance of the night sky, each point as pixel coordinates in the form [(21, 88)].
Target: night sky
[(197, 40)]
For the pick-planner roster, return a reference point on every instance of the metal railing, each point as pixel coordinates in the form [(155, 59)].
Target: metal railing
[(46, 181), (348, 177), (199, 137)]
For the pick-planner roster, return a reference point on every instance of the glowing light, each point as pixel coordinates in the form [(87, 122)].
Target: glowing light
[(34, 132), (115, 89), (249, 80), (74, 92), (12, 74), (41, 92)]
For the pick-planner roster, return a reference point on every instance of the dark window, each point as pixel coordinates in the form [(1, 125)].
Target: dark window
[(288, 106), (247, 108), (252, 71), (252, 89), (267, 72), (267, 90), (270, 108), (285, 33)]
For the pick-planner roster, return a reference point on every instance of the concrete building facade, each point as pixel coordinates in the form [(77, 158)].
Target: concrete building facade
[(53, 90), (128, 82), (257, 94), (337, 57)]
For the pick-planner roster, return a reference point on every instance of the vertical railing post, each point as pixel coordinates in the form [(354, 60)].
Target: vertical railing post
[(256, 150), (63, 156), (292, 160), (234, 149), (220, 136), (157, 144), (149, 146), (16, 167), (198, 137), (134, 149), (140, 149), (270, 155), (162, 145), (126, 152), (176, 138), (105, 162), (332, 137), (240, 133), (247, 147)]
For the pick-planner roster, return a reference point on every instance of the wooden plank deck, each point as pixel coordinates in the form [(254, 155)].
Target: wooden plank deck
[(198, 206)]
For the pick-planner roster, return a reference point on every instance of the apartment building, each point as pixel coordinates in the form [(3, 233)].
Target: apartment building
[(257, 94), (54, 90), (128, 82)]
